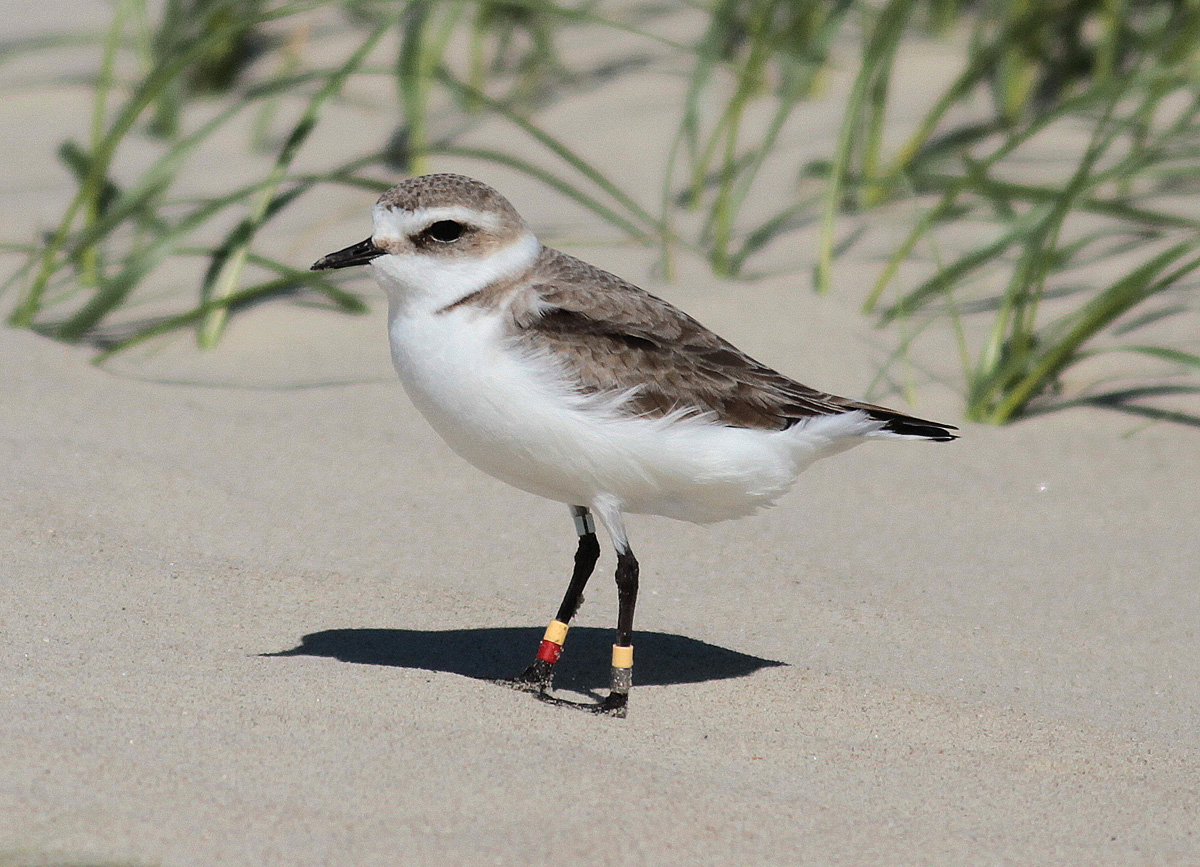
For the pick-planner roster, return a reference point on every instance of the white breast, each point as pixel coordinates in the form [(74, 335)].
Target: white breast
[(485, 400), (514, 417)]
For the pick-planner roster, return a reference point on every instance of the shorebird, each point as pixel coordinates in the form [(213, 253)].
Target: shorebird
[(570, 383)]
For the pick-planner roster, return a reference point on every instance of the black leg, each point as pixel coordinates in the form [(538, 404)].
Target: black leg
[(586, 556), (540, 674), (537, 678), (617, 700), (622, 659), (627, 588)]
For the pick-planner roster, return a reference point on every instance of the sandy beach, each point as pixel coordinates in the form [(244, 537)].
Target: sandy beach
[(252, 602)]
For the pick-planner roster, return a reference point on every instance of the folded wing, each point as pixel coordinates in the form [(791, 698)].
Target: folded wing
[(616, 337)]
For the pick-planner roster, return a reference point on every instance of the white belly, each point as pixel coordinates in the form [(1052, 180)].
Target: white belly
[(511, 416)]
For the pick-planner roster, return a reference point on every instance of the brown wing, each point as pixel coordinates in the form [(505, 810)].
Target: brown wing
[(614, 336)]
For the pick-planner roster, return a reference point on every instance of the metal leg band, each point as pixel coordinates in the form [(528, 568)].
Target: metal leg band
[(622, 680), (584, 522)]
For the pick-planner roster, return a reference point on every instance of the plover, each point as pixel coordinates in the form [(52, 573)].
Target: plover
[(570, 383)]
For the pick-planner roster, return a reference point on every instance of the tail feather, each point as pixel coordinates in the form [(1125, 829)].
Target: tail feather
[(908, 426)]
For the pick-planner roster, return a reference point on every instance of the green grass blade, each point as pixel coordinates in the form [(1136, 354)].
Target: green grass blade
[(116, 289), (958, 270), (571, 191), (1013, 191), (877, 59), (1165, 353), (226, 278), (652, 225), (345, 301), (1122, 296), (233, 300), (144, 94), (1013, 326)]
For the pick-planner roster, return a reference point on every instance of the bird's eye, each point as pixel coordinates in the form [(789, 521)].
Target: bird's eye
[(446, 231)]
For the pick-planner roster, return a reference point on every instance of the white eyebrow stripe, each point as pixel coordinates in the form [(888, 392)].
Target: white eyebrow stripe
[(410, 222)]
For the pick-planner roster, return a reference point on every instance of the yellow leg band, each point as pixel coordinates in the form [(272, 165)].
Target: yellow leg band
[(622, 656), (556, 632)]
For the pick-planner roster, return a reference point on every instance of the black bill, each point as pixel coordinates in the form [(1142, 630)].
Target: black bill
[(360, 254)]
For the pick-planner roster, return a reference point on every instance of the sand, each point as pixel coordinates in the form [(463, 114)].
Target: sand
[(251, 603)]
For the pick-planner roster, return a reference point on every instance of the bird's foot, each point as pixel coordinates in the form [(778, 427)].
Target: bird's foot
[(615, 704), (537, 678)]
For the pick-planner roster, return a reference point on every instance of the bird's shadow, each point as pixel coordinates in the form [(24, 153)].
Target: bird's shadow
[(487, 654)]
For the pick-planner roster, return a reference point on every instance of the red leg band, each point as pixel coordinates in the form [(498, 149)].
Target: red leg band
[(549, 652)]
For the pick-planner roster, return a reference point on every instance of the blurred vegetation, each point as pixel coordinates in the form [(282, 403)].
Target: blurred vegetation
[(1119, 75)]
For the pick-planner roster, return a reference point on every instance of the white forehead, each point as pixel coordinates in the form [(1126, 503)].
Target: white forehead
[(400, 222)]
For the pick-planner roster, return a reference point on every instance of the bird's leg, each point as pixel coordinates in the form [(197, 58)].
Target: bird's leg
[(617, 699), (538, 677), (622, 656)]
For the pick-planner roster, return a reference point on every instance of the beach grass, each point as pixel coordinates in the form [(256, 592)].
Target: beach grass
[(112, 237), (1116, 220), (1117, 75)]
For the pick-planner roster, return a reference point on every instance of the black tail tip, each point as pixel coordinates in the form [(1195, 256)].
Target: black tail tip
[(915, 427)]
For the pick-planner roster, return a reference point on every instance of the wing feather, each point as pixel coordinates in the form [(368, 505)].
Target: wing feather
[(615, 337)]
